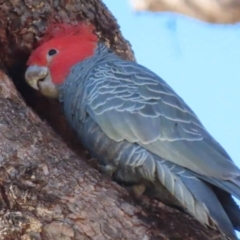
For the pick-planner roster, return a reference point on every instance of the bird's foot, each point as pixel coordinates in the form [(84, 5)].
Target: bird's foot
[(137, 190)]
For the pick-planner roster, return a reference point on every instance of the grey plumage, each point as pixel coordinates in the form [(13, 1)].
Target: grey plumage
[(142, 132)]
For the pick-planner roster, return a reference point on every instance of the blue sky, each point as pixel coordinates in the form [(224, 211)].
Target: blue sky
[(200, 61)]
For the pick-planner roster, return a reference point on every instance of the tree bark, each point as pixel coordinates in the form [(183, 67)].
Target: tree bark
[(213, 11), (47, 188)]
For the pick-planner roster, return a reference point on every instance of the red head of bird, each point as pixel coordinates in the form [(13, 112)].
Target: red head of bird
[(62, 47)]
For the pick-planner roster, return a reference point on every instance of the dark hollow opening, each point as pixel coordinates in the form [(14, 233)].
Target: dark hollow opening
[(49, 110)]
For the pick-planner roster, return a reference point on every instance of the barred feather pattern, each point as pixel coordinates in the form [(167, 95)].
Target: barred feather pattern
[(141, 131)]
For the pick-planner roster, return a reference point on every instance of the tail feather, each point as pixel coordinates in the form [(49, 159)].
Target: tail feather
[(196, 197), (232, 187), (230, 206)]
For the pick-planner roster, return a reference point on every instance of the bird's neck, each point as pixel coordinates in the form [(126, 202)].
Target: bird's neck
[(73, 90)]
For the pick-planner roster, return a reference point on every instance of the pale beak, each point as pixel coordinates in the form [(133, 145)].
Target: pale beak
[(35, 74), (40, 79)]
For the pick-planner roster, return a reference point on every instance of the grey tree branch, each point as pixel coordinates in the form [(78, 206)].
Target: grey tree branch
[(213, 11), (46, 190)]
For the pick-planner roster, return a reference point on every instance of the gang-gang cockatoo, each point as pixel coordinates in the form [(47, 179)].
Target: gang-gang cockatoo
[(140, 131)]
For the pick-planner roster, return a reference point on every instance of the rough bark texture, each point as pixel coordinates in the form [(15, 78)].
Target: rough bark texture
[(46, 190), (213, 11)]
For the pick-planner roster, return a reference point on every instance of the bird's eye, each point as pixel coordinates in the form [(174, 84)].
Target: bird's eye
[(52, 52)]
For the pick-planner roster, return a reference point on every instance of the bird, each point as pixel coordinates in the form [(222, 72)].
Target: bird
[(141, 132)]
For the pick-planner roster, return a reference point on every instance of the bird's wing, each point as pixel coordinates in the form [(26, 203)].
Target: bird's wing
[(130, 102)]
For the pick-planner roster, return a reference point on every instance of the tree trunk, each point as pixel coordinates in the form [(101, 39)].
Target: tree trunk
[(213, 11), (48, 191)]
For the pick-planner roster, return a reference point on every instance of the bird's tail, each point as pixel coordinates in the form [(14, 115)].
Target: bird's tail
[(230, 206), (223, 190), (199, 199)]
